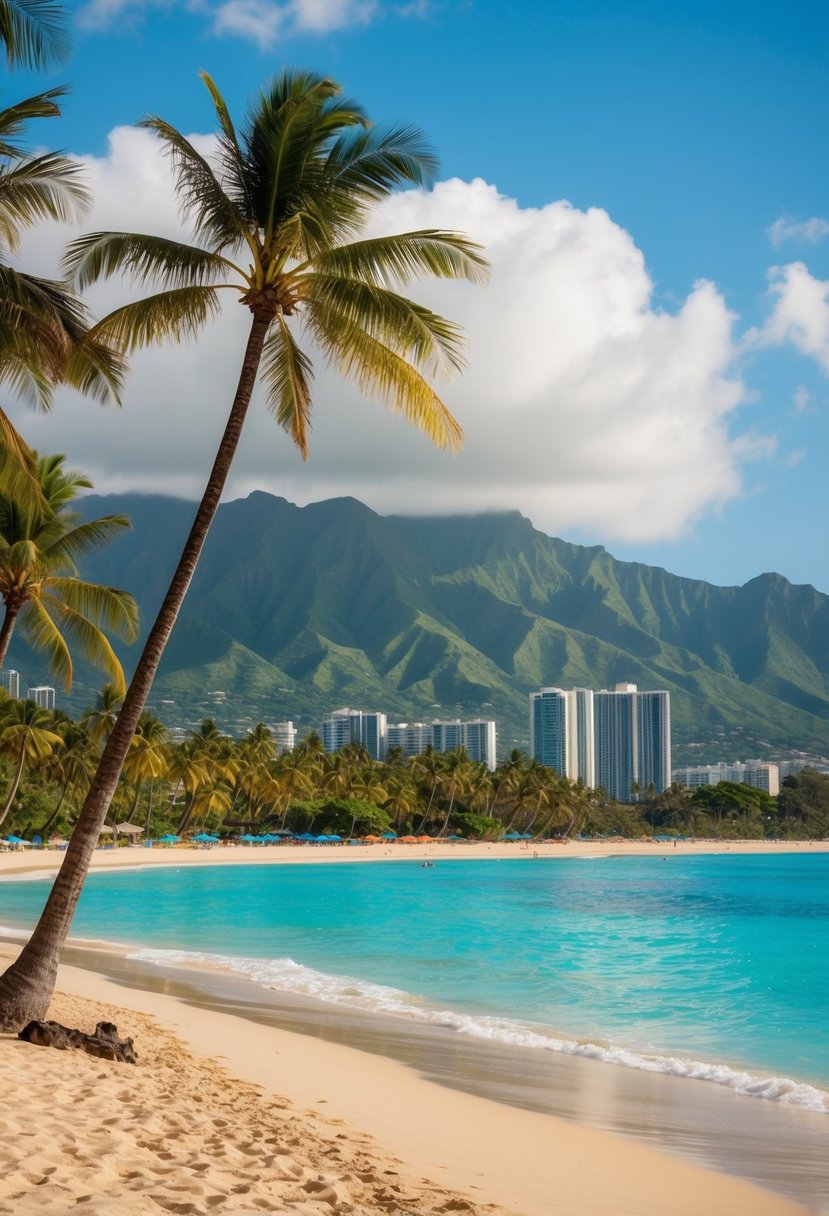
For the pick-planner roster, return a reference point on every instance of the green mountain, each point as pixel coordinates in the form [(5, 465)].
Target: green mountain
[(296, 611)]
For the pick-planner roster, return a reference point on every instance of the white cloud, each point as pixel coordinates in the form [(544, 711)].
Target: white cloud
[(262, 21), (800, 314), (808, 232), (583, 405)]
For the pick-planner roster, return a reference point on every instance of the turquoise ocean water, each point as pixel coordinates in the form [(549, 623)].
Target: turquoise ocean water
[(711, 967)]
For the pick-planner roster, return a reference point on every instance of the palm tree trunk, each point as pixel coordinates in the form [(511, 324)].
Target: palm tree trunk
[(27, 985), (6, 629), (15, 783)]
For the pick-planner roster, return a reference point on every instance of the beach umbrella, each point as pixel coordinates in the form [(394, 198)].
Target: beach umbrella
[(333, 836), (169, 839), (390, 835), (408, 840), (424, 839), (249, 839), (453, 837), (129, 829), (109, 829), (204, 837), (18, 840)]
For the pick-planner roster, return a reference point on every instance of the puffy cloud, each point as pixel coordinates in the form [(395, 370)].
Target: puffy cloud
[(584, 404), (800, 313), (808, 232)]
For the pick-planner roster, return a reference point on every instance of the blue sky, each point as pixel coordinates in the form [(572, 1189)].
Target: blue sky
[(689, 142)]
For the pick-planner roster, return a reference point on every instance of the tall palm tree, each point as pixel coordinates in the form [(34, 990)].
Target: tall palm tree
[(27, 737), (39, 583), (280, 214)]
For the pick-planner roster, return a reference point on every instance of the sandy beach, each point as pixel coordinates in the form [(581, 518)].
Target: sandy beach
[(29, 861), (225, 1115)]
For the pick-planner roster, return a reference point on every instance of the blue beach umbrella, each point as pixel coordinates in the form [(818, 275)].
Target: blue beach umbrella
[(390, 835), (169, 839), (204, 837), (18, 840)]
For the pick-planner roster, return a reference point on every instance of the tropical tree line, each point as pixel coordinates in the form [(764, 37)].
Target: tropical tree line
[(210, 782)]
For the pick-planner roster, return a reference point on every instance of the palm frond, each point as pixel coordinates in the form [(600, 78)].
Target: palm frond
[(201, 197), (96, 369), (33, 32), (79, 635), (380, 371), (104, 607), (431, 342), (59, 544), (43, 635), (287, 374), (176, 315), (390, 260), (18, 469), (46, 187), (97, 255), (371, 163), (13, 119)]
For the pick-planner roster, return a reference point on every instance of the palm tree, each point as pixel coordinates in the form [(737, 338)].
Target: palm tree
[(101, 718), (44, 338), (26, 737), (39, 582), (280, 214)]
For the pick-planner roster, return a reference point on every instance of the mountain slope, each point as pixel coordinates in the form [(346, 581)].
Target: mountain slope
[(294, 611)]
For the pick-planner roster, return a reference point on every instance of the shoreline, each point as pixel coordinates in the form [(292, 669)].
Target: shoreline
[(444, 1148), (48, 861)]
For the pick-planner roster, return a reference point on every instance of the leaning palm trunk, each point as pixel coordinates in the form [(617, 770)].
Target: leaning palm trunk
[(26, 987)]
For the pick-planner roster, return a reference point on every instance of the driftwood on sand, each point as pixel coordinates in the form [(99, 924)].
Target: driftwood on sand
[(104, 1043)]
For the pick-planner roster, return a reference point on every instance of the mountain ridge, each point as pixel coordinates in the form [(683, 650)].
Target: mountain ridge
[(296, 610)]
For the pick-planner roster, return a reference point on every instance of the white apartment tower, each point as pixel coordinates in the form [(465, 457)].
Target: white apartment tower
[(619, 739), (284, 736), (354, 726), (43, 696), (10, 680), (561, 732)]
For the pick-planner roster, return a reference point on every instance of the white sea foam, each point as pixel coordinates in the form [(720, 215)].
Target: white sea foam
[(285, 975)]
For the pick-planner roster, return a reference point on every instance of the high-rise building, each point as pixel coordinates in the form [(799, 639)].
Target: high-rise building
[(653, 741), (476, 737), (10, 680), (480, 741), (448, 736), (581, 747), (43, 696), (632, 738), (550, 731), (354, 726), (411, 737), (614, 724), (284, 736)]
